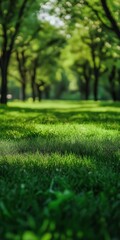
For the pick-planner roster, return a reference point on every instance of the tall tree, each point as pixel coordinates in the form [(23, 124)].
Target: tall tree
[(37, 59), (13, 15)]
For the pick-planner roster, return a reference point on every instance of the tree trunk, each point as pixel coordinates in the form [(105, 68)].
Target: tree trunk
[(4, 71), (33, 91), (33, 79), (118, 98), (4, 85), (113, 93), (96, 70), (39, 92), (23, 91), (47, 92), (87, 89), (22, 71), (87, 76), (96, 84), (112, 83)]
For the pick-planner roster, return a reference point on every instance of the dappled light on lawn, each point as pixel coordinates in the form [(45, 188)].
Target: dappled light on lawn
[(59, 160)]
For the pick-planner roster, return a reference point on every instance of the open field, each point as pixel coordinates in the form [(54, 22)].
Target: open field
[(60, 171)]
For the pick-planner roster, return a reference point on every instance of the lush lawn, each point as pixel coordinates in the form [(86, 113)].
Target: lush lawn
[(60, 171)]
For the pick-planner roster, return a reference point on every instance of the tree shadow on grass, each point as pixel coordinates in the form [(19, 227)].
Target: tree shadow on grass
[(110, 104), (103, 150), (19, 133), (22, 118)]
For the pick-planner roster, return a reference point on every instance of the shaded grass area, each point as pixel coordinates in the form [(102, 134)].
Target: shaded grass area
[(59, 168)]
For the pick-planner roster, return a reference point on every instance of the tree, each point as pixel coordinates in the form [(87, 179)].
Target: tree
[(12, 21), (103, 25), (21, 59), (108, 8), (37, 60), (112, 20)]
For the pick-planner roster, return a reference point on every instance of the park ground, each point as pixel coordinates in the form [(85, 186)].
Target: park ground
[(59, 171)]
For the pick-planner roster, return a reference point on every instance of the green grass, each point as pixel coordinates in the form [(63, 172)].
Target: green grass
[(59, 171)]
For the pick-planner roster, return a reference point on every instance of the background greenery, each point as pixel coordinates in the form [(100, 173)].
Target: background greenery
[(59, 49)]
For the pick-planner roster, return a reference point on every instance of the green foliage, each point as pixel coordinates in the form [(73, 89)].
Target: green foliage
[(60, 37), (59, 167)]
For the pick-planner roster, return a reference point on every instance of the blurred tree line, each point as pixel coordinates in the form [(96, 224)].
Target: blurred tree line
[(59, 49)]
